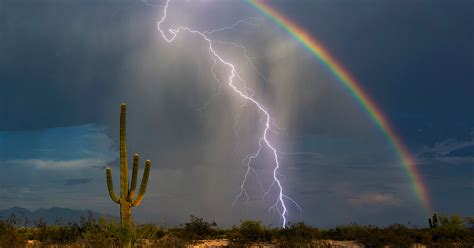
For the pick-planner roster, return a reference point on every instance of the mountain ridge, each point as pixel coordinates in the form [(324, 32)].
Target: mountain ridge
[(51, 216)]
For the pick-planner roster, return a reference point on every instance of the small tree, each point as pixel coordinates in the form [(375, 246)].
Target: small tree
[(453, 222)]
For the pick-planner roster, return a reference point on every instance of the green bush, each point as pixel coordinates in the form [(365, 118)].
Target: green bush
[(106, 234), (297, 233), (149, 231), (453, 222), (251, 231), (198, 229), (9, 236)]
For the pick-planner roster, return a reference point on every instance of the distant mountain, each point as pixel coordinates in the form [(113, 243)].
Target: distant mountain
[(51, 216)]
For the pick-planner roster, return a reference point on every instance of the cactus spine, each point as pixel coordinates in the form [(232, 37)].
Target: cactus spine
[(127, 198)]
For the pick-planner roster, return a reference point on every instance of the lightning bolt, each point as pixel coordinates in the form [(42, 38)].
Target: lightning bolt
[(247, 95)]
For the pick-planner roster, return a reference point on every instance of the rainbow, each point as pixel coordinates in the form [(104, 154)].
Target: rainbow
[(345, 78)]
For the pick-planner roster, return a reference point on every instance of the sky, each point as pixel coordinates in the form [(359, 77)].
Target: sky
[(66, 66)]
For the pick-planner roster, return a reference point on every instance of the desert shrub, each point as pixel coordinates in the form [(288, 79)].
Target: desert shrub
[(233, 233), (303, 233), (9, 235), (297, 233), (469, 222), (398, 235), (107, 234), (253, 231), (349, 232), (451, 232), (197, 229), (371, 236), (54, 234), (401, 236), (148, 231), (454, 222), (394, 236), (442, 235)]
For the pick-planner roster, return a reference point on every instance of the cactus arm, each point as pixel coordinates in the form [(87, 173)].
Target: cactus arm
[(144, 184), (435, 220), (133, 185), (123, 153), (110, 185)]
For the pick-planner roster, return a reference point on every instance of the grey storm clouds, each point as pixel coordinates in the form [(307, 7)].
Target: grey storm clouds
[(71, 64)]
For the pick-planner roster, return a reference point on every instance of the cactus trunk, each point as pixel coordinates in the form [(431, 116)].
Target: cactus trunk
[(127, 198), (125, 213)]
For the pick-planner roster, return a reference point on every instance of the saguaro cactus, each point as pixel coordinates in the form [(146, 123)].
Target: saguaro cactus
[(433, 221), (127, 198)]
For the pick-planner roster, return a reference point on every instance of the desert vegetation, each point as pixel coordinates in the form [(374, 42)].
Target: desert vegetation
[(452, 231)]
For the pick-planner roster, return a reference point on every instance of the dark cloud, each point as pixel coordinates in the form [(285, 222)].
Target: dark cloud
[(69, 63)]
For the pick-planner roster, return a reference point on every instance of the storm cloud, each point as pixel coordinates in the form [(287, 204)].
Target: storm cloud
[(66, 66)]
